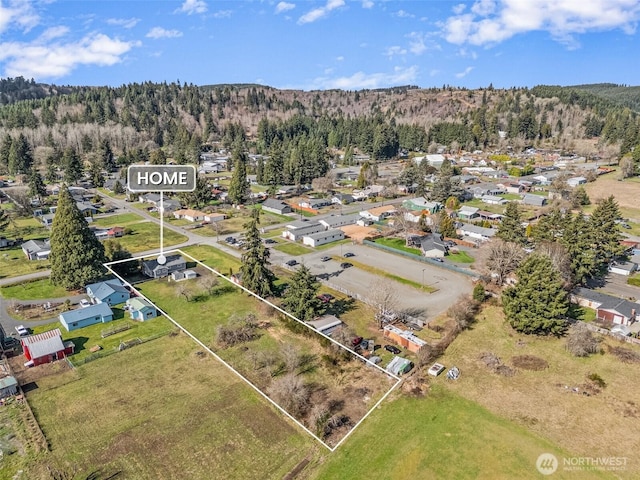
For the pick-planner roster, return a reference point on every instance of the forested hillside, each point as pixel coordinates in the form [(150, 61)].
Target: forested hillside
[(49, 126)]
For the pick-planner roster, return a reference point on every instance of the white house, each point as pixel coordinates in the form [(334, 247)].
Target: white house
[(322, 238), (493, 200), (378, 213), (623, 268), (575, 181), (468, 213), (473, 231), (295, 233), (189, 214), (337, 221)]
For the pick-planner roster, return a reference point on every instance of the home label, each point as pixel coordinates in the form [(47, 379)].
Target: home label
[(161, 178)]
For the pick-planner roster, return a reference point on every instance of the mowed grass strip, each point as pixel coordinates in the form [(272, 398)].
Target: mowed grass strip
[(34, 290), (291, 248), (119, 220), (398, 244), (146, 236), (440, 436), (161, 410), (214, 258), (13, 263)]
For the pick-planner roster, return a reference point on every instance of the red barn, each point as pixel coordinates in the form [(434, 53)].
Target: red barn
[(46, 347)]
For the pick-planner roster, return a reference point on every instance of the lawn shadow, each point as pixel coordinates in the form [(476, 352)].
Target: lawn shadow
[(341, 306), (79, 343)]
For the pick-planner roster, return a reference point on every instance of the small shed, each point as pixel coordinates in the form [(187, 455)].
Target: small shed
[(141, 309), (46, 347), (399, 366), (8, 386)]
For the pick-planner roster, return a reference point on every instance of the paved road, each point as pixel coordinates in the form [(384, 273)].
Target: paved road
[(617, 285)]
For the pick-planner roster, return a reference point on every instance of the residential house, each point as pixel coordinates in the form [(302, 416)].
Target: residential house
[(342, 198), (287, 190), (46, 347), (489, 216), (371, 191), (493, 200), (315, 203), (326, 324), (481, 189), (322, 238), (608, 308), (623, 268), (514, 188), (575, 181), (106, 233), (378, 214), (337, 221), (360, 158), (151, 268), (405, 338), (170, 205), (111, 292), (86, 209), (421, 203), (534, 200), (479, 233), (189, 214), (434, 246), (214, 217), (36, 249), (152, 198), (296, 233), (275, 206), (47, 219), (84, 317), (468, 213), (141, 309)]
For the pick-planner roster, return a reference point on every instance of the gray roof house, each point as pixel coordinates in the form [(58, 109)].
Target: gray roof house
[(342, 198), (473, 231), (37, 249), (337, 221), (151, 268), (534, 200), (433, 246), (275, 206)]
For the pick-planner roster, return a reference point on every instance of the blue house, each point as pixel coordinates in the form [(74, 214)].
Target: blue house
[(111, 292), (83, 317), (141, 310)]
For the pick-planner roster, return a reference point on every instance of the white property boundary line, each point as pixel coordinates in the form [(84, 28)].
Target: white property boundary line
[(248, 382)]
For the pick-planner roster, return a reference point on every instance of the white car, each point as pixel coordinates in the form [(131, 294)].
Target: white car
[(22, 330), (85, 303)]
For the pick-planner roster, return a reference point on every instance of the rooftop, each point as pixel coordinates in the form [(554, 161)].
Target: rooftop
[(44, 343)]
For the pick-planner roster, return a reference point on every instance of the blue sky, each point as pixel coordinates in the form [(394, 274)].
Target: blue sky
[(348, 44)]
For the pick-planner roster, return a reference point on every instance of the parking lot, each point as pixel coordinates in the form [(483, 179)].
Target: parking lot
[(448, 284)]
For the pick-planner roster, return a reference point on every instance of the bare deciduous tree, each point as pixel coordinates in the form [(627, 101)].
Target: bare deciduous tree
[(291, 393), (185, 291), (383, 297), (208, 283), (581, 342), (500, 258), (463, 312), (560, 259)]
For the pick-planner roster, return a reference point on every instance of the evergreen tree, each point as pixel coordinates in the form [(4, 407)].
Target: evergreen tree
[(605, 232), (72, 166), (239, 186), (260, 171), (37, 187), (479, 292), (201, 196), (576, 238), (95, 171), (118, 189), (114, 251), (256, 275), (5, 220), (446, 227), (511, 229), (444, 187), (579, 197), (538, 303), (106, 156), (20, 155), (5, 149), (77, 256), (301, 298)]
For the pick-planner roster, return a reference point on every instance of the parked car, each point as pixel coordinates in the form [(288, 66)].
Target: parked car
[(345, 265), (325, 259), (392, 348), (22, 330), (438, 259), (626, 225), (85, 303), (269, 241), (349, 254), (230, 240), (356, 341), (291, 263), (325, 297)]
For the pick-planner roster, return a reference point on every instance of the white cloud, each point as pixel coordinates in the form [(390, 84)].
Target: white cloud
[(55, 60), (222, 14), (321, 12), (159, 32), (367, 4), (360, 80), (340, 58), (284, 7), (458, 9), (53, 32), (464, 73), (123, 22), (491, 22), (192, 6), (463, 52), (421, 42), (18, 13), (395, 50), (404, 14)]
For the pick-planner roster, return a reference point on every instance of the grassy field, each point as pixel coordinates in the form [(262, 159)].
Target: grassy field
[(120, 220), (37, 289), (544, 401), (441, 435), (164, 411), (461, 257), (146, 236), (291, 248), (14, 263), (398, 244), (214, 258)]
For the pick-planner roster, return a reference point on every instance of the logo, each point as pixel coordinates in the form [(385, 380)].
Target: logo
[(547, 463)]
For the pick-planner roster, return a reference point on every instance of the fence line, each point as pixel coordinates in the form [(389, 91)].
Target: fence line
[(426, 260), (604, 331)]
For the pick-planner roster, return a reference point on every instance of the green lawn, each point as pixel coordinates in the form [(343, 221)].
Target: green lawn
[(398, 244), (146, 236), (291, 248), (214, 258), (461, 257), (26, 228), (14, 263), (111, 194), (634, 280), (119, 220), (440, 436), (35, 290), (160, 410)]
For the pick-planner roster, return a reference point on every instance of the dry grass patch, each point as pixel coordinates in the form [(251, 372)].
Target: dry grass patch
[(529, 362), (625, 355)]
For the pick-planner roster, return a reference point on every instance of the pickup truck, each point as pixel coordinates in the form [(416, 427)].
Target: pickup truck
[(22, 330)]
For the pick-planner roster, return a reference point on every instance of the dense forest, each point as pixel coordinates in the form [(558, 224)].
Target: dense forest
[(51, 127)]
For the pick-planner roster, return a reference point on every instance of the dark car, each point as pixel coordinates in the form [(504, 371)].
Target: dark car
[(392, 349), (270, 241), (356, 341), (438, 259), (349, 254), (230, 240), (325, 297), (345, 265), (291, 263), (325, 259)]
